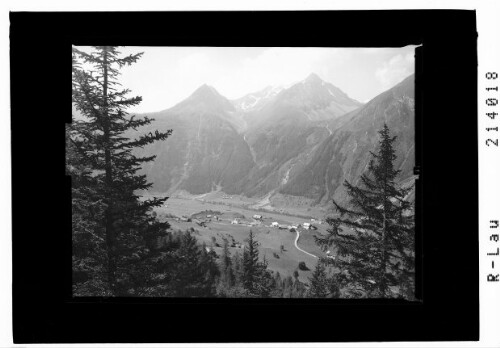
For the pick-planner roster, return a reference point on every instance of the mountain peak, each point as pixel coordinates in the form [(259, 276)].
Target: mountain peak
[(205, 98), (313, 78), (205, 90)]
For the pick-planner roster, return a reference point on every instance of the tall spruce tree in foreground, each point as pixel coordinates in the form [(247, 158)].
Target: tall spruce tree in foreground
[(89, 254), (374, 235), (123, 233)]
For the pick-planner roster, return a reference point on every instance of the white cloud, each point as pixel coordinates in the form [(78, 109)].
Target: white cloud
[(281, 65), (395, 70)]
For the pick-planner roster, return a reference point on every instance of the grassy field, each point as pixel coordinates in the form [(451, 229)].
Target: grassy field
[(270, 238)]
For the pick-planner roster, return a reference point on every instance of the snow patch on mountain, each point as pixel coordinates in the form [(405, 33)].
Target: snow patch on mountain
[(257, 100)]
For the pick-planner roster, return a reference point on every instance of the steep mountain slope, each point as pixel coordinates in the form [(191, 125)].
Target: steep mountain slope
[(205, 151), (318, 99), (307, 101), (285, 131), (246, 146), (303, 141), (344, 154)]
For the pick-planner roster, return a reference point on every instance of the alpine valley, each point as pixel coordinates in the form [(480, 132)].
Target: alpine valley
[(281, 147)]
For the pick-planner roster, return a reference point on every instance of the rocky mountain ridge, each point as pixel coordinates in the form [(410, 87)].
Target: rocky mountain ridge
[(301, 141)]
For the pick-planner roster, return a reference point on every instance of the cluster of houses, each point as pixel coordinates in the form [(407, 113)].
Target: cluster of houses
[(305, 225), (257, 220)]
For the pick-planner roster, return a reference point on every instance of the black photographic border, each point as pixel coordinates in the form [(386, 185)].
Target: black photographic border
[(447, 190)]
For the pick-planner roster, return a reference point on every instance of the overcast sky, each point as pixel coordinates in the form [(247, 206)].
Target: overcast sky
[(165, 76)]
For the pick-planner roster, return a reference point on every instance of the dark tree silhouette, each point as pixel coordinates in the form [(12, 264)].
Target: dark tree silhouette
[(124, 232), (318, 282), (374, 235)]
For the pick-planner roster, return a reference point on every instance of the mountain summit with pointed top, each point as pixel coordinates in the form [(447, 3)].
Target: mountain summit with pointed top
[(309, 100), (345, 153), (313, 78), (205, 90), (313, 95), (301, 141), (205, 98)]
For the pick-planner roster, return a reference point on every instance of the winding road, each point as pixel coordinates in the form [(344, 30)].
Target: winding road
[(296, 240)]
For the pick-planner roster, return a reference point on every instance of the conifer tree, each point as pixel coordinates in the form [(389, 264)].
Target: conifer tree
[(127, 232), (278, 280), (237, 265), (187, 275), (374, 234), (209, 270), (318, 282), (237, 288), (278, 285), (298, 289), (250, 263), (227, 276), (89, 256), (287, 286), (257, 280), (264, 283)]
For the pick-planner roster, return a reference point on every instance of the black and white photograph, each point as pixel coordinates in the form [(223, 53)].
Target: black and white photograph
[(217, 174), (243, 172)]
